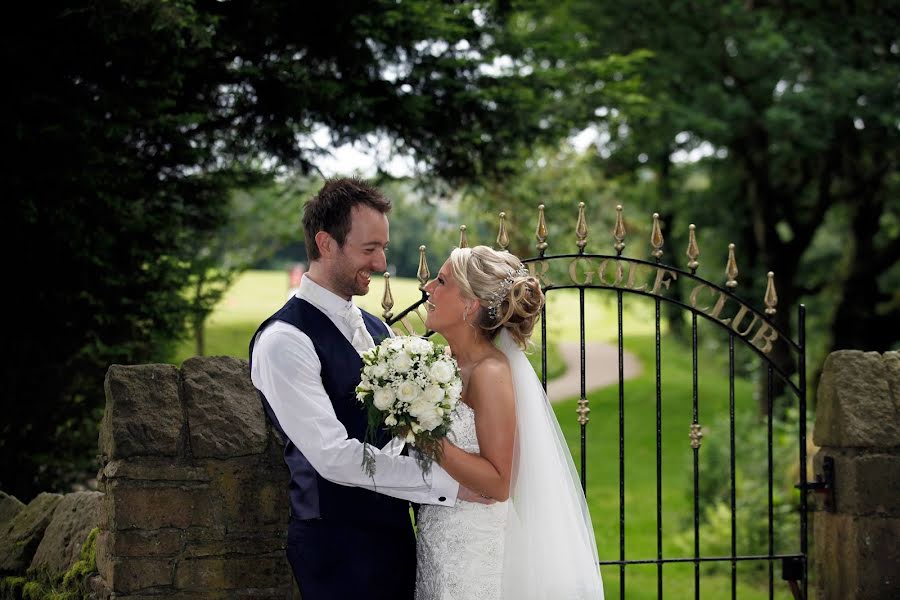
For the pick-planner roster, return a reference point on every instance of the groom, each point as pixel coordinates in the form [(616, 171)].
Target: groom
[(349, 536)]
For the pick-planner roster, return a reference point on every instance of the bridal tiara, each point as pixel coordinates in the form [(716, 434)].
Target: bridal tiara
[(499, 295)]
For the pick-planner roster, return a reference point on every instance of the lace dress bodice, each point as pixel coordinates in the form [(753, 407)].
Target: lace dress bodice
[(460, 548)]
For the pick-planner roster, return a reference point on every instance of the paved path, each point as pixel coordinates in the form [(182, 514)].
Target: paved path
[(601, 369)]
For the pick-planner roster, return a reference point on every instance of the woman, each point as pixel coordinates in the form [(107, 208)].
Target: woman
[(536, 540)]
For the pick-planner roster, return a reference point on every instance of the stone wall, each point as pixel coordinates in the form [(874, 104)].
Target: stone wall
[(42, 540), (195, 500), (856, 550)]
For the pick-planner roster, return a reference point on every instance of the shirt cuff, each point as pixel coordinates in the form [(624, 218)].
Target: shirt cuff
[(444, 488)]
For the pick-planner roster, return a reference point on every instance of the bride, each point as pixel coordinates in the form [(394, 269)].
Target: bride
[(535, 541)]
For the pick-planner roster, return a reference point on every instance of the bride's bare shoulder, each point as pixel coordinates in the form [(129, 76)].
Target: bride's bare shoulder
[(491, 379)]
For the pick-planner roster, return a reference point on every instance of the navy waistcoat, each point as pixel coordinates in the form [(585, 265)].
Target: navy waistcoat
[(311, 495)]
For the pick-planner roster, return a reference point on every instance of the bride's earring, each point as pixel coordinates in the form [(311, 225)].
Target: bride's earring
[(465, 314)]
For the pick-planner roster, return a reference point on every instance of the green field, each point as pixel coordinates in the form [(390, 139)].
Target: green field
[(257, 294)]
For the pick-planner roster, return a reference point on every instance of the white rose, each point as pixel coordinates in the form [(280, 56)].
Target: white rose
[(379, 370), (419, 346), (384, 397), (431, 418), (407, 392), (441, 371), (434, 394), (454, 390), (402, 362), (418, 407)]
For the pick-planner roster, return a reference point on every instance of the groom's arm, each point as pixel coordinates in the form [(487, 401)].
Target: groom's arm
[(287, 371)]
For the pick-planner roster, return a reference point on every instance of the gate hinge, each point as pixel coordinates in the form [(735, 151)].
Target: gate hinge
[(793, 571), (824, 483)]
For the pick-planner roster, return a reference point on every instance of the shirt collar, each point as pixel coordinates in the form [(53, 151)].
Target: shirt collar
[(321, 298)]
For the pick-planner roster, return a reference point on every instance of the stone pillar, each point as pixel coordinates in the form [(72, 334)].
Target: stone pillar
[(856, 545), (196, 489)]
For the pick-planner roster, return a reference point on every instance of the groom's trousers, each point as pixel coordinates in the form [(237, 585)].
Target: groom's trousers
[(336, 559)]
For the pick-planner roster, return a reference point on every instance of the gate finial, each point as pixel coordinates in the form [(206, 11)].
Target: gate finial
[(463, 240), (771, 294), (541, 231), (387, 300), (656, 238), (503, 237), (423, 274), (619, 231), (581, 230), (731, 269), (693, 251)]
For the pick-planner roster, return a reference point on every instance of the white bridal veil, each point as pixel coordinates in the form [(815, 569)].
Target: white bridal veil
[(550, 552)]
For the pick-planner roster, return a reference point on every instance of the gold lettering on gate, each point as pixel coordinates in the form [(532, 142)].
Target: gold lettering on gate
[(764, 338), (632, 273), (611, 272), (601, 272), (695, 293), (588, 273), (539, 271), (661, 280), (735, 323)]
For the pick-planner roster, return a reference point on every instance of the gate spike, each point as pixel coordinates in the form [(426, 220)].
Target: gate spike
[(771, 294), (387, 300), (656, 238), (581, 230), (731, 269), (463, 240), (619, 230), (423, 274), (693, 251), (503, 237), (541, 232)]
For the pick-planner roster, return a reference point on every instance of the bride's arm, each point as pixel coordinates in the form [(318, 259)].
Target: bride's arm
[(490, 393)]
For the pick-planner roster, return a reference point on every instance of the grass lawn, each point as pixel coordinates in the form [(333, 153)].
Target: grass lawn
[(257, 294)]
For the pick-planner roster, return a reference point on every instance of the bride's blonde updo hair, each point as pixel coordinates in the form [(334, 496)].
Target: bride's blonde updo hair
[(509, 296)]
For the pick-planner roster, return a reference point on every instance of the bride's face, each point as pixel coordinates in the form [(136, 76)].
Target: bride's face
[(446, 304)]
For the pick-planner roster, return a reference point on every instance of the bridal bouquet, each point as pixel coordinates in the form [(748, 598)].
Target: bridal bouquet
[(410, 386)]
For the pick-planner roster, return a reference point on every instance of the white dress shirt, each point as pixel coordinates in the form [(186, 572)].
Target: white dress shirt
[(286, 369)]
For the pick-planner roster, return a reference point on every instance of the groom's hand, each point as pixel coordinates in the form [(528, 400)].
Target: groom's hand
[(470, 496)]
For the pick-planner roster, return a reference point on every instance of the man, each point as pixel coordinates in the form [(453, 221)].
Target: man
[(349, 536)]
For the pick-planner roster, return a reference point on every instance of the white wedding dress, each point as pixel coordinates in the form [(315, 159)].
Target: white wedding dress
[(539, 545), (460, 549)]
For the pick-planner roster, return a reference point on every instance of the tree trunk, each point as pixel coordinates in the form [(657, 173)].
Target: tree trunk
[(864, 319)]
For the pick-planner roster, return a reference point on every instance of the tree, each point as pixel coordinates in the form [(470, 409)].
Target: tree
[(258, 222), (128, 123), (797, 108)]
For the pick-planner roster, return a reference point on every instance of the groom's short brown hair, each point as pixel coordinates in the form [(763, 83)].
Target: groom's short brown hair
[(329, 210)]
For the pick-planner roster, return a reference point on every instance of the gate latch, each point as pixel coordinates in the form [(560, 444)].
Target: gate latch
[(824, 484)]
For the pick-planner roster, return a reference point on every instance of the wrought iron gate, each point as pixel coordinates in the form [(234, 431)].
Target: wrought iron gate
[(745, 326)]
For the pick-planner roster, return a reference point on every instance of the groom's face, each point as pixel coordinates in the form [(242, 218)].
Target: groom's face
[(363, 252)]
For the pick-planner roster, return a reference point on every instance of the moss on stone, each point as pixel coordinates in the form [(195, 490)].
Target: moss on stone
[(34, 590), (72, 586), (11, 587)]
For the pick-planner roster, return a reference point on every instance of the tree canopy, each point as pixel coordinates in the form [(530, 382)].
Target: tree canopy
[(129, 123)]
